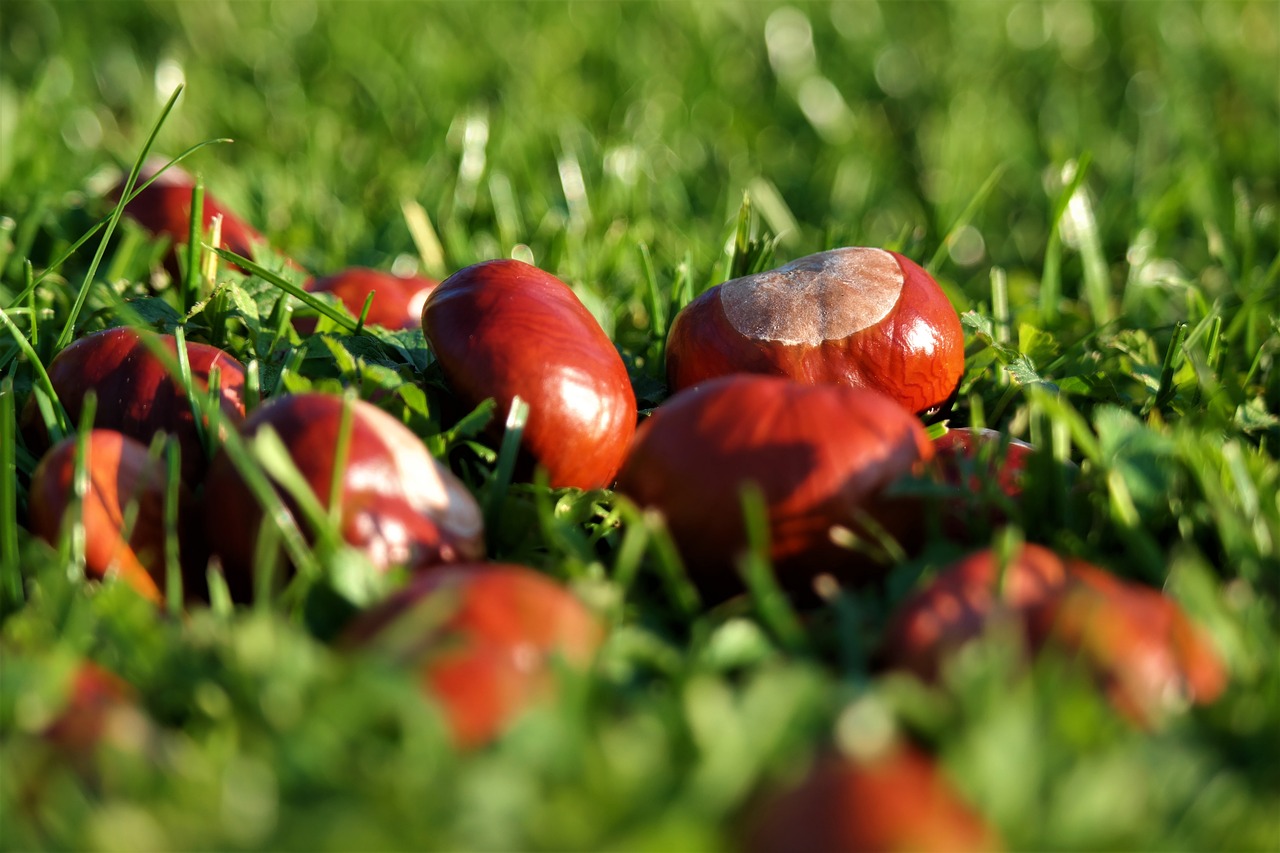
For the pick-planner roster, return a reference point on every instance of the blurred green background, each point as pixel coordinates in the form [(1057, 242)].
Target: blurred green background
[(580, 129)]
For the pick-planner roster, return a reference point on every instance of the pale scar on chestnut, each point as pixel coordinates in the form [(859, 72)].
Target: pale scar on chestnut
[(822, 297)]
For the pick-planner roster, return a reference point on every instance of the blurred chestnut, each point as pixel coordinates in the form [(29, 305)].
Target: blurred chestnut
[(960, 603), (120, 472), (504, 328), (821, 454), (1142, 647), (164, 209), (899, 800), (397, 301), (95, 693), (853, 316), (399, 505), (1148, 656), (485, 638), (137, 393)]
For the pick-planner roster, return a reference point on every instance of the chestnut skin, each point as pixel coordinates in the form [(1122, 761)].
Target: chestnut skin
[(899, 800), (504, 328), (95, 693), (852, 316), (821, 454), (400, 506), (397, 301), (1147, 655), (484, 637), (1139, 643), (164, 209), (137, 395), (120, 471)]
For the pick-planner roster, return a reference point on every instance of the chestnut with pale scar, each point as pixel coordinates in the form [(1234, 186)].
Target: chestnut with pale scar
[(822, 297), (863, 317)]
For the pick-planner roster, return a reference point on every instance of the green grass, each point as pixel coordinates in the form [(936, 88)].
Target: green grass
[(1094, 185)]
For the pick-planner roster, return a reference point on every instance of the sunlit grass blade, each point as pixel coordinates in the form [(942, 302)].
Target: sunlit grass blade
[(508, 453), (56, 418), (966, 216), (68, 328), (339, 317)]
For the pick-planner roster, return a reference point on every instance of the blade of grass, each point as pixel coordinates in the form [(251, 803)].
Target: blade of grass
[(59, 422), (61, 259), (508, 452), (1051, 276), (191, 281), (966, 216), (756, 569), (341, 318), (173, 591), (68, 329), (10, 572)]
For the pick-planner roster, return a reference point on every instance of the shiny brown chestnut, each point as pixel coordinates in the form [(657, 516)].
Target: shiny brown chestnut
[(852, 316), (397, 301), (1139, 644), (485, 638), (164, 209), (121, 472), (898, 800), (138, 394), (503, 329), (400, 506), (822, 456)]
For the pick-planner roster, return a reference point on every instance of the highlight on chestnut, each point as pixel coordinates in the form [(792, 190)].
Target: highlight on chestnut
[(502, 329), (398, 505)]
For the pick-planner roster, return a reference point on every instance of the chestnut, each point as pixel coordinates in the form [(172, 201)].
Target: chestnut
[(897, 800), (397, 301), (164, 209), (1147, 655), (138, 394), (95, 694), (853, 316), (484, 637), (960, 603), (1139, 644), (503, 329), (822, 456), (399, 505), (120, 472)]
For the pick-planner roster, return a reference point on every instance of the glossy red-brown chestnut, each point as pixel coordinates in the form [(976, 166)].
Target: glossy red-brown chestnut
[(897, 801), (1149, 658), (822, 456), (164, 209), (400, 506), (504, 328), (1139, 643), (853, 316), (120, 472), (397, 301), (138, 393), (485, 638)]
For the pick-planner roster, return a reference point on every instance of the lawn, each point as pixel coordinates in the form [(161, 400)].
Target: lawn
[(1093, 185)]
